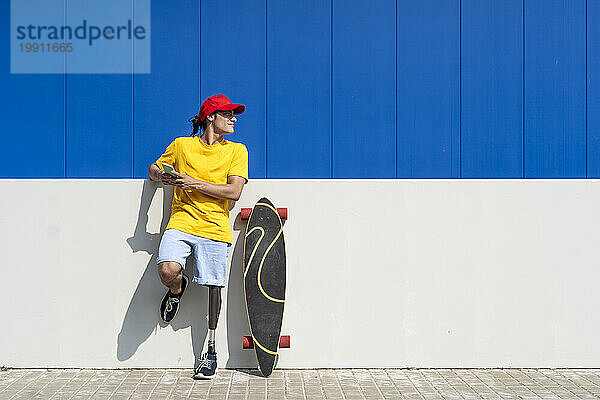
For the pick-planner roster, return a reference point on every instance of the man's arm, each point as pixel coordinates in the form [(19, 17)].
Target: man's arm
[(232, 190), (155, 173), (158, 175)]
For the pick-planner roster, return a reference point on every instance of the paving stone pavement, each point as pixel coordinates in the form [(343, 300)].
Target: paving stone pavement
[(309, 384)]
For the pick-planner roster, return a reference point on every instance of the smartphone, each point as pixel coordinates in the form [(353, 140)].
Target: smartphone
[(169, 169)]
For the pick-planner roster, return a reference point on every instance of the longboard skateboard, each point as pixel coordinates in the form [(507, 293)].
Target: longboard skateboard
[(264, 273)]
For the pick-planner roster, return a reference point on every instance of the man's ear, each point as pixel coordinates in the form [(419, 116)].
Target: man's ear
[(210, 117)]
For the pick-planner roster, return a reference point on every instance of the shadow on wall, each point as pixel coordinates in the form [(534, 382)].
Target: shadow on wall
[(237, 317), (142, 316)]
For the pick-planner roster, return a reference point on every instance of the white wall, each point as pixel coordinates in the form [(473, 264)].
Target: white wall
[(381, 273)]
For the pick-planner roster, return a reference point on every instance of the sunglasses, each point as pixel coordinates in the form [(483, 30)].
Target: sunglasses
[(226, 114)]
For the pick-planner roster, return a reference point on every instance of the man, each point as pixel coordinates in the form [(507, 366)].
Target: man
[(210, 174)]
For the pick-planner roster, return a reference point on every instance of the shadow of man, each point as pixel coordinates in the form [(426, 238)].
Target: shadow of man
[(237, 317), (142, 317)]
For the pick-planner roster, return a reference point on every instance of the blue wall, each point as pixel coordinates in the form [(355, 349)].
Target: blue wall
[(339, 89)]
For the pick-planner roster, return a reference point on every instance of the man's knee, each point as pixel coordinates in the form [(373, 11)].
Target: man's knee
[(168, 270)]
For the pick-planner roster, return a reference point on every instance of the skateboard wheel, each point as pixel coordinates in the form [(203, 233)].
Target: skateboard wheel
[(282, 213), (284, 342), (248, 343), (245, 214)]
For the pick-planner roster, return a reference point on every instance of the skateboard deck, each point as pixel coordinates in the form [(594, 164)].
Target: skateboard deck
[(264, 272)]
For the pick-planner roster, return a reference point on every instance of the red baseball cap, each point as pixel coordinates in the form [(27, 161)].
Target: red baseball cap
[(218, 102)]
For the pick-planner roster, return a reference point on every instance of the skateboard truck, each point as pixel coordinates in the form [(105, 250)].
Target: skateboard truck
[(248, 343), (245, 213)]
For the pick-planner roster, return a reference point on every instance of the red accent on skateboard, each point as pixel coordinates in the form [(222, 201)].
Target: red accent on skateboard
[(245, 213), (248, 343), (284, 342), (282, 213)]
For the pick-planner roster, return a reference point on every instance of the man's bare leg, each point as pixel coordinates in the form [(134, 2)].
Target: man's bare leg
[(171, 274)]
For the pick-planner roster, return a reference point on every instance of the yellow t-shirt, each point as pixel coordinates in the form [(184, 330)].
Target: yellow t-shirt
[(194, 212)]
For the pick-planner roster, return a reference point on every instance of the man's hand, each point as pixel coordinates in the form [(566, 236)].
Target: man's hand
[(158, 175), (167, 179), (183, 182)]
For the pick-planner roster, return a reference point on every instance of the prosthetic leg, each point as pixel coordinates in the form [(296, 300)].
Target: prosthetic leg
[(214, 309), (208, 364)]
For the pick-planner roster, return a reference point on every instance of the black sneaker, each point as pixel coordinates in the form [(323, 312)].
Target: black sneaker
[(207, 368), (170, 303)]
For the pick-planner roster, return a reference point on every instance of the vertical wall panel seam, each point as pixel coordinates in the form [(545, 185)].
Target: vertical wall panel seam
[(199, 94), (133, 95), (331, 102), (266, 89), (586, 88), (65, 98), (396, 92), (460, 5), (523, 90)]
